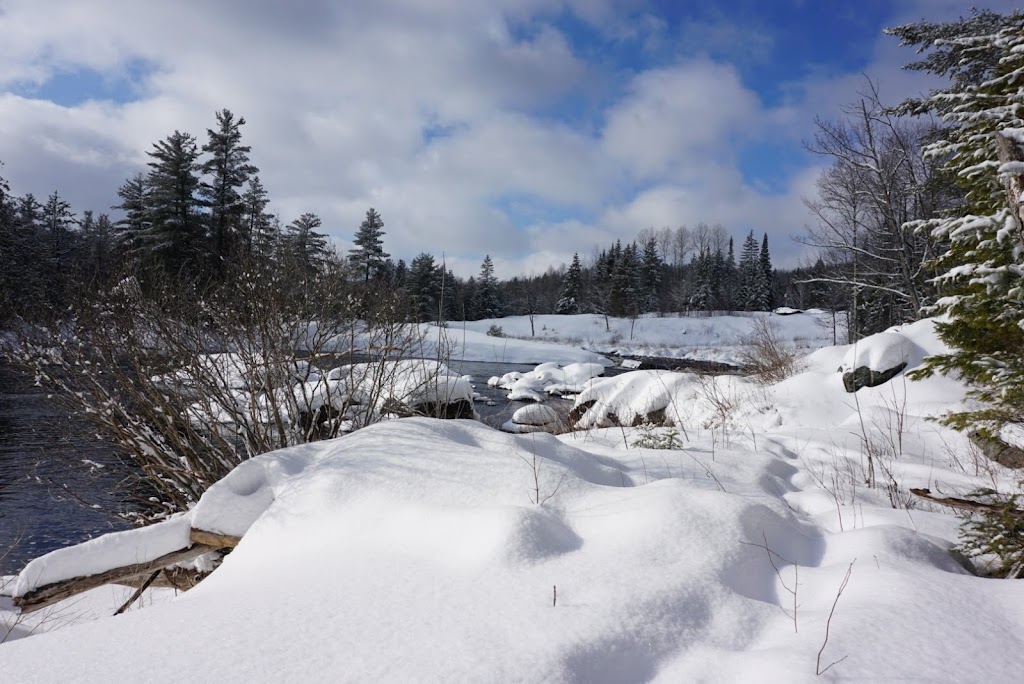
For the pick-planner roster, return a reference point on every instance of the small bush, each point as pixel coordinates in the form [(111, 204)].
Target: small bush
[(652, 438), (765, 355), (495, 331), (999, 534)]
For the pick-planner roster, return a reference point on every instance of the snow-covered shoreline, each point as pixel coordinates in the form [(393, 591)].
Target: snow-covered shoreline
[(419, 549)]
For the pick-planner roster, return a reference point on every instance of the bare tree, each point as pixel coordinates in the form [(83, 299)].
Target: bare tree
[(879, 181)]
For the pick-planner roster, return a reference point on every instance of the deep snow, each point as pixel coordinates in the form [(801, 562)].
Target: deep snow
[(424, 550)]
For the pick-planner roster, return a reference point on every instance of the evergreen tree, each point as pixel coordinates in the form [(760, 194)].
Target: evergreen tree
[(625, 295), (306, 247), (368, 255), (650, 276), (229, 169), (175, 234), (487, 303), (258, 233), (982, 274), (765, 261), (702, 288), (569, 297), (129, 231), (424, 284), (57, 222)]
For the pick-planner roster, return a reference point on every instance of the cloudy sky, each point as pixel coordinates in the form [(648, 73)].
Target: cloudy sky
[(526, 129)]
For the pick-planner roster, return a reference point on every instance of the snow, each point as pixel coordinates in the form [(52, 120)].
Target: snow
[(98, 555), (704, 338), (426, 550), (883, 351), (534, 414)]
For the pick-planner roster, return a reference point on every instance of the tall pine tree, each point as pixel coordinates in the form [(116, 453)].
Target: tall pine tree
[(487, 303), (174, 234), (368, 255), (229, 169)]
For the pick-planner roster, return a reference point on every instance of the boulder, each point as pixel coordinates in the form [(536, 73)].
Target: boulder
[(877, 359), (862, 376)]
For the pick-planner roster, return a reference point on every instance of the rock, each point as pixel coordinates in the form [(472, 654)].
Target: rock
[(878, 358), (862, 376), (1001, 452)]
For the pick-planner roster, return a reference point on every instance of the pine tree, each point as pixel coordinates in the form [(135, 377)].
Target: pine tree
[(572, 283), (488, 304), (174, 235), (258, 233), (129, 231), (424, 284), (368, 255), (765, 261), (982, 274), (650, 276), (306, 247), (229, 169)]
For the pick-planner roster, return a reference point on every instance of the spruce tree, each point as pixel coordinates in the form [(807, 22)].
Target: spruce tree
[(305, 246), (569, 297), (174, 234), (650, 276), (130, 230), (981, 277), (368, 255), (424, 284), (229, 169), (488, 304), (258, 234), (765, 261)]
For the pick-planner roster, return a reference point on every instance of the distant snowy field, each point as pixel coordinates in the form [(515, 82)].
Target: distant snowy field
[(705, 338), (425, 550)]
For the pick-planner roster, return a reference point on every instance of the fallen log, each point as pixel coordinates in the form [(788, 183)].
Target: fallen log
[(215, 539), (49, 594), (968, 505)]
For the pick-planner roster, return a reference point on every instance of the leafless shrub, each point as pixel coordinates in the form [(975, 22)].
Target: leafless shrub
[(768, 358), (189, 381)]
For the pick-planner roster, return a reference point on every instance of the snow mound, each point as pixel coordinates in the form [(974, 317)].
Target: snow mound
[(534, 414), (882, 351)]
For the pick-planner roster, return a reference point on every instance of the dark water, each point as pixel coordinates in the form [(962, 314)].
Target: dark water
[(51, 472), (49, 464)]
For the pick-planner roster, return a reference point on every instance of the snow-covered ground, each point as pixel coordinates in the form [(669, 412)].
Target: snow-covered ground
[(705, 338), (425, 550)]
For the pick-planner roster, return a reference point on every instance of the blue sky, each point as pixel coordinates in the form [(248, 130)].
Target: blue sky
[(526, 129)]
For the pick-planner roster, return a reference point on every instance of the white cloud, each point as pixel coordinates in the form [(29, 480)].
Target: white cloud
[(441, 114)]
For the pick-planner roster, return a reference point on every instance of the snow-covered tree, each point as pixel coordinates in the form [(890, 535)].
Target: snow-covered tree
[(130, 230), (572, 282), (981, 279), (368, 255)]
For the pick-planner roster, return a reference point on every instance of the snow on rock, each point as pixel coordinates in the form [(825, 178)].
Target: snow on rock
[(535, 414), (877, 359), (882, 351), (549, 378)]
